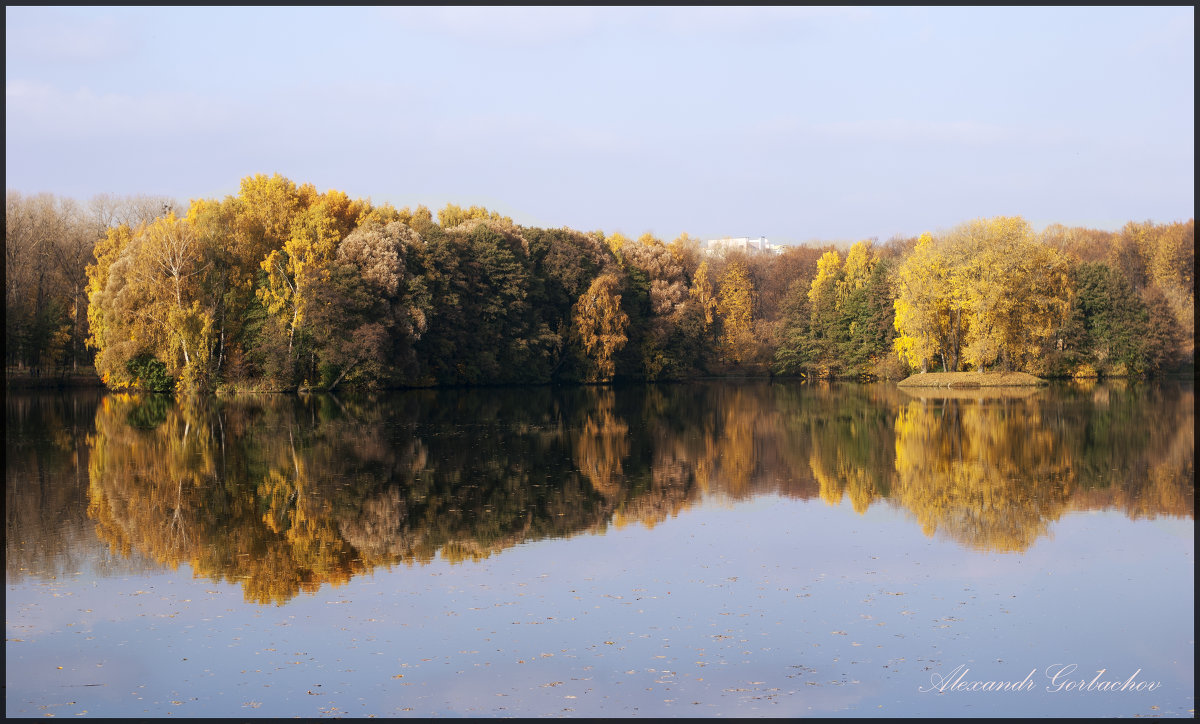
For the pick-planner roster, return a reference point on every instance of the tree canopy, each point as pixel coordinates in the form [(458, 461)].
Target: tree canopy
[(280, 287)]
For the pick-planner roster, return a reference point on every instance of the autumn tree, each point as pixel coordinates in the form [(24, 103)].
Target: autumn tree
[(296, 272), (367, 316), (240, 232), (656, 301), (48, 246), (735, 309), (600, 325), (703, 290), (688, 252), (453, 215), (563, 262), (33, 323), (929, 326), (1011, 287), (863, 320), (616, 242), (823, 301), (795, 350), (779, 272), (1167, 255), (147, 304)]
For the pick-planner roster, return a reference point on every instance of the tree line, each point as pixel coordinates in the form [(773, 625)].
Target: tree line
[(282, 287), (48, 244)]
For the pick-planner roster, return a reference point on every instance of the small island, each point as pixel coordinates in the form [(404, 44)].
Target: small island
[(972, 380)]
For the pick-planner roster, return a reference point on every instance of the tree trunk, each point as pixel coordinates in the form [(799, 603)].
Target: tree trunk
[(343, 374), (75, 335), (292, 330), (957, 338)]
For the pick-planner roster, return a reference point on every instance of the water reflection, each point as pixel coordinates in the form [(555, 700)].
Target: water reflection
[(46, 529), (284, 494)]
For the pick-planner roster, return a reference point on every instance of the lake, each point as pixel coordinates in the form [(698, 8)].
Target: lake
[(708, 549)]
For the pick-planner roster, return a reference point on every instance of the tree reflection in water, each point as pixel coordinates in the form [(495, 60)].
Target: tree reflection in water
[(285, 494)]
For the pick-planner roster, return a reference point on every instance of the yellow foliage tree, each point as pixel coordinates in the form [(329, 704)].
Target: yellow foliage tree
[(856, 272), (601, 325), (702, 290), (453, 215), (1011, 287), (294, 271), (145, 300), (616, 241), (824, 297), (923, 306), (736, 308), (102, 318)]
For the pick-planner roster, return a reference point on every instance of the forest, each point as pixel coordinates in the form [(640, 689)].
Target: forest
[(281, 287)]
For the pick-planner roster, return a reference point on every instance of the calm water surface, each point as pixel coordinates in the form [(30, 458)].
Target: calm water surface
[(714, 549)]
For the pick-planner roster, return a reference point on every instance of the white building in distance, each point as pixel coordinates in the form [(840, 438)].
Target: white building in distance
[(742, 243)]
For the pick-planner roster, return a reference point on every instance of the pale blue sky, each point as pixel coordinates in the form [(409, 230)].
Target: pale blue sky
[(790, 123)]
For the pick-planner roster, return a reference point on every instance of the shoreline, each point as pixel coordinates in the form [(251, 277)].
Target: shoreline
[(927, 380), (971, 380)]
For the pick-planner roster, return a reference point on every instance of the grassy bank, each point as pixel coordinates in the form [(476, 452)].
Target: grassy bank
[(972, 379), (57, 379)]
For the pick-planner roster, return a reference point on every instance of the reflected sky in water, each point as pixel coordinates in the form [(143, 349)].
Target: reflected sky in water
[(698, 550)]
